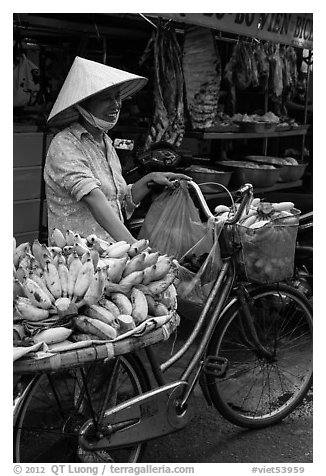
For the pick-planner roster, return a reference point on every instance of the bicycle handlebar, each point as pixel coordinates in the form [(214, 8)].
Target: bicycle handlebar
[(245, 192)]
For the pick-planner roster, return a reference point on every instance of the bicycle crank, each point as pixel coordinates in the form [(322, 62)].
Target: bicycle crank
[(150, 415)]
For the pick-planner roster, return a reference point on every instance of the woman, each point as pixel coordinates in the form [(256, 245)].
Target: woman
[(85, 189)]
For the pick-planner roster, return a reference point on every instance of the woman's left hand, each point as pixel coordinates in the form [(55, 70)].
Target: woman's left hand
[(166, 179)]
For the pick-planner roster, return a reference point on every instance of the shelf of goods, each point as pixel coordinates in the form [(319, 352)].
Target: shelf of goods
[(205, 135)]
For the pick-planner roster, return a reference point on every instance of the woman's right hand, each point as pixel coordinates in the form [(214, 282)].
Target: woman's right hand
[(166, 179)]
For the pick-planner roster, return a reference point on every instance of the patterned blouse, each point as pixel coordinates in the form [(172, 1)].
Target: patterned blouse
[(75, 165)]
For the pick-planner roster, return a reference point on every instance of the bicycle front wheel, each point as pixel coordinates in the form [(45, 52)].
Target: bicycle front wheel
[(261, 388), (58, 404)]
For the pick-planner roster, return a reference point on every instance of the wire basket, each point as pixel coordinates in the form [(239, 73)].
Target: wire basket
[(266, 254)]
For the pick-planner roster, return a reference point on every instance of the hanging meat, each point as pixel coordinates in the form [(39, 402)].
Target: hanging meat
[(202, 75), (262, 66), (168, 119)]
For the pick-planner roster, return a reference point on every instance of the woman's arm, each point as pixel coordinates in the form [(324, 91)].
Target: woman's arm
[(101, 210), (140, 188)]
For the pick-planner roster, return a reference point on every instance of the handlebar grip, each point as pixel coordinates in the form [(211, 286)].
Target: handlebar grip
[(247, 187)]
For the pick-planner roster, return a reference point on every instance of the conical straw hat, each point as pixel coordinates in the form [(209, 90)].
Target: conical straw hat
[(86, 78)]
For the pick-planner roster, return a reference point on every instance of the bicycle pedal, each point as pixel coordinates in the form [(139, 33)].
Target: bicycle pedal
[(215, 366)]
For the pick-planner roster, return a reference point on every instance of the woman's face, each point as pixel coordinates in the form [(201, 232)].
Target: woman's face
[(105, 105)]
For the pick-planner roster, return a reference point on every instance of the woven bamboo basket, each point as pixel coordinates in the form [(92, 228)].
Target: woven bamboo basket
[(97, 350)]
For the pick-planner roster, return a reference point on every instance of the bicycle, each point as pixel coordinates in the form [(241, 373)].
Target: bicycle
[(253, 363)]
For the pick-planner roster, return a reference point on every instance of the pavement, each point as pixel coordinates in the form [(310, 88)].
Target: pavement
[(209, 438)]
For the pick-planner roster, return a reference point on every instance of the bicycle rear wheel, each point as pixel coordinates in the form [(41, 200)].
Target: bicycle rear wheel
[(57, 405), (257, 390)]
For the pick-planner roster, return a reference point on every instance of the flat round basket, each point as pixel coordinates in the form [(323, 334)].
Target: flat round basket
[(91, 351)]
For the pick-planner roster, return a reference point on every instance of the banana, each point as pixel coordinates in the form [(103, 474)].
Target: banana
[(54, 250), (53, 335), (151, 258), (110, 306), (95, 289), (37, 251), (169, 297), (21, 274), (137, 263), (71, 257), (62, 304), (122, 302), (83, 337), (28, 311), (52, 279), (102, 265), (98, 244), (79, 239), (158, 287), (38, 279), (70, 238), (57, 238), (133, 278), (63, 275), (117, 251), (163, 266), (115, 268), (116, 288), (138, 247), (116, 244), (126, 323), (36, 294), (56, 259), (26, 262), (20, 251), (85, 257), (18, 289), (160, 310), (91, 239), (68, 250), (95, 327), (149, 274), (98, 312), (83, 279), (74, 267), (151, 303), (80, 248), (95, 258), (46, 252), (139, 305)]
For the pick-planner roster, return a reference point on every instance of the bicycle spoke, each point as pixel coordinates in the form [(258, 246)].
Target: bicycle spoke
[(270, 363)]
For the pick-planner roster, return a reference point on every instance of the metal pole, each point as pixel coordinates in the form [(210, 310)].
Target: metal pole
[(306, 103)]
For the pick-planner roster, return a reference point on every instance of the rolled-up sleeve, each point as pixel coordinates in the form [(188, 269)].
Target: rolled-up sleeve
[(67, 165)]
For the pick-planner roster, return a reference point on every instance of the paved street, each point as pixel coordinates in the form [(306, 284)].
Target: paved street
[(209, 438)]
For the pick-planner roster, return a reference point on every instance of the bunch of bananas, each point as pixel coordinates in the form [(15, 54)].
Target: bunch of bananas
[(99, 289)]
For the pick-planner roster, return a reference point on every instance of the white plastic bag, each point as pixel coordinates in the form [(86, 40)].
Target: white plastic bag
[(172, 224)]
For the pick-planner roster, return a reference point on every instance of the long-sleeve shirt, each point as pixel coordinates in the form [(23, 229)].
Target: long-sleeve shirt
[(75, 165)]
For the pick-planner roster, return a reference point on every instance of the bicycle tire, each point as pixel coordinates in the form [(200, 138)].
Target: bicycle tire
[(46, 429), (256, 392)]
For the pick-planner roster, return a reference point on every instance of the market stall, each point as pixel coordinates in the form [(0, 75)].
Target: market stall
[(226, 121)]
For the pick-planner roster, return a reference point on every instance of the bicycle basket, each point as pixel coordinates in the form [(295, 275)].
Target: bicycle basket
[(267, 254)]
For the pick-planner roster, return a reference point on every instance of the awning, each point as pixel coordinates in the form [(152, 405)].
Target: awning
[(295, 29)]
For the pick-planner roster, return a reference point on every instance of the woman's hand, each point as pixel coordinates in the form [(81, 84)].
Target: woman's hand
[(167, 179)]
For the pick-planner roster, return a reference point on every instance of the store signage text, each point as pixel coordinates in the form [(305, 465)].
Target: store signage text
[(289, 28)]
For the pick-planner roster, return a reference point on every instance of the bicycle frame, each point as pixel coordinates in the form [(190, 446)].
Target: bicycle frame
[(165, 409)]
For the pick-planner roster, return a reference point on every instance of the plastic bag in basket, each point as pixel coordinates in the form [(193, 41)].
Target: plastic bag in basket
[(172, 223), (267, 253), (199, 267)]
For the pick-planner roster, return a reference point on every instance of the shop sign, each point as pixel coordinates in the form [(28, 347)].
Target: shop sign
[(287, 28)]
